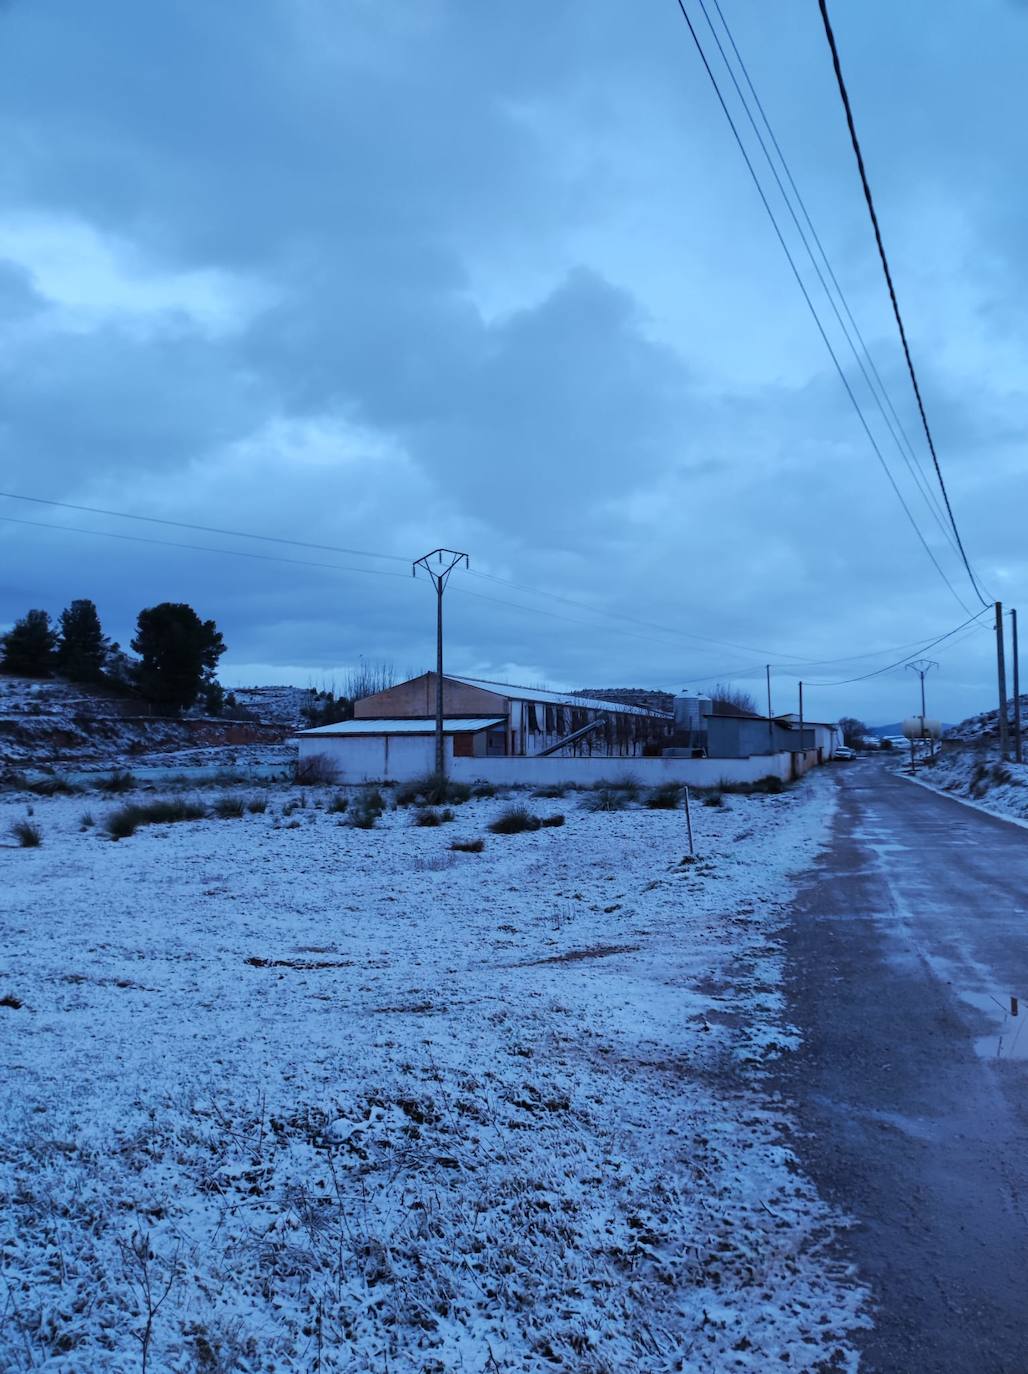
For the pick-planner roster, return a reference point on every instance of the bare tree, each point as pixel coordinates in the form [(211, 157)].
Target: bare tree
[(732, 701), (368, 678)]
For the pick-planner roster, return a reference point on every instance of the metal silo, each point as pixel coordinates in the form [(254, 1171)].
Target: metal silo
[(691, 712)]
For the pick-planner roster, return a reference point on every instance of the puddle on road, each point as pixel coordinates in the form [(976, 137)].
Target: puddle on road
[(1010, 1039)]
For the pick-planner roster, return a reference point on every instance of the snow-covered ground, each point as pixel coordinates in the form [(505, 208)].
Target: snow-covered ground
[(977, 774), (322, 1098)]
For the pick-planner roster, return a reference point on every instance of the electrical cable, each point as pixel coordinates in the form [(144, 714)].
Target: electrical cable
[(811, 307), (740, 671), (844, 682), (862, 355), (204, 529), (201, 548), (855, 141)]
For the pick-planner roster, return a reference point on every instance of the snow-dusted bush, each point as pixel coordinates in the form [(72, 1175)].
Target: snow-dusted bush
[(126, 820), (316, 768), (29, 836), (514, 821)]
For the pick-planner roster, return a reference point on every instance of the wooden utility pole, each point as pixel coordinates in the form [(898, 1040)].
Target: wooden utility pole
[(1001, 671), (770, 727), (1018, 754), (445, 562)]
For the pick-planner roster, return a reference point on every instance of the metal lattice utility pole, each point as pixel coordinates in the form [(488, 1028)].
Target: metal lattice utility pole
[(1018, 753), (922, 667), (1001, 672), (445, 562)]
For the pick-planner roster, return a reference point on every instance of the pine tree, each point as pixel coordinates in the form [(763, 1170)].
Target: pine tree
[(178, 654), (83, 647), (29, 647)]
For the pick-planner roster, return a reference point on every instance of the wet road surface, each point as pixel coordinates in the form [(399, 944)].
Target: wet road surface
[(906, 944)]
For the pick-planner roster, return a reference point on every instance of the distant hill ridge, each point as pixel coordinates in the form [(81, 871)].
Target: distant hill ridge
[(648, 698)]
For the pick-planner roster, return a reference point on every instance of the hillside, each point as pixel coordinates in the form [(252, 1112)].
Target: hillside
[(969, 766), (985, 726), (58, 724)]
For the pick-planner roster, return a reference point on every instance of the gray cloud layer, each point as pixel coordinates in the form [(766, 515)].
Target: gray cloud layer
[(389, 277)]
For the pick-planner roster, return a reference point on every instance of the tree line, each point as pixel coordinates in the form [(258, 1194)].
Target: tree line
[(176, 663)]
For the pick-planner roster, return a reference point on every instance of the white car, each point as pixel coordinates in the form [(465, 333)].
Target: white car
[(843, 751)]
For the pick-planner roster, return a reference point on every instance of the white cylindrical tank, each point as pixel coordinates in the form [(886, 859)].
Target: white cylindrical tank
[(922, 727), (691, 710)]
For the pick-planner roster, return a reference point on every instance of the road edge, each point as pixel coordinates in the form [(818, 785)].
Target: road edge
[(964, 801)]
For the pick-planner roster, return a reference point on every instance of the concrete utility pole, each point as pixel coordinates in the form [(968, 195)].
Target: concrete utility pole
[(445, 562), (803, 750), (1001, 671), (1018, 754)]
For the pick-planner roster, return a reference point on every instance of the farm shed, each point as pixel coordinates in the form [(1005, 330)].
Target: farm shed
[(535, 719)]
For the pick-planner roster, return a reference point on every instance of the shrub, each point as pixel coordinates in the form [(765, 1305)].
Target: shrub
[(229, 808), (433, 790), (316, 768), (606, 799), (338, 804), (126, 820), (468, 846), (483, 789), (552, 820), (257, 806), (52, 787), (629, 786), (29, 836), (86, 820), (121, 780), (666, 797), (366, 810), (515, 820), (428, 817), (551, 790), (771, 784), (714, 799)]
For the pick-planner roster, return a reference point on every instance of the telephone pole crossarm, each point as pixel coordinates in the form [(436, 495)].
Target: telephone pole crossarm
[(439, 564)]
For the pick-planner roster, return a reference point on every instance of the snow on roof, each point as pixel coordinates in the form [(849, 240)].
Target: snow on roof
[(414, 725), (541, 694)]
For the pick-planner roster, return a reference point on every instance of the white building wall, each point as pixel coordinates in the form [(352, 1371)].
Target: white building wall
[(377, 758), (536, 772), (399, 758)]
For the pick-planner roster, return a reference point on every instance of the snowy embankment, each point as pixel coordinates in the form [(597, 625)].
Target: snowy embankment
[(315, 1097), (977, 774)]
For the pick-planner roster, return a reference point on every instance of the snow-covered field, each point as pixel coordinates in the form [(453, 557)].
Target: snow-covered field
[(282, 1094)]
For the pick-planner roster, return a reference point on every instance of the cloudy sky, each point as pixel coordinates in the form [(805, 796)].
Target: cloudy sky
[(384, 277)]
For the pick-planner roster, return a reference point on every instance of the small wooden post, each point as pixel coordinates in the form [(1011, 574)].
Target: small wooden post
[(1013, 1006), (688, 821)]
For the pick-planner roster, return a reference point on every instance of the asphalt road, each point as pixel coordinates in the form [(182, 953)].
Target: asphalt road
[(905, 947)]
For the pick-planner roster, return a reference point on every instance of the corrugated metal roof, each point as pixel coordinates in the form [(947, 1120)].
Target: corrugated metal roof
[(541, 694), (414, 725)]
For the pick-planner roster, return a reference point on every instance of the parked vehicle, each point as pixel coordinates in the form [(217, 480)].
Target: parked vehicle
[(843, 751)]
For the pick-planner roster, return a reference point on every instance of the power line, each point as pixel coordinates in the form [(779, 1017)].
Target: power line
[(617, 615), (810, 304), (862, 356), (199, 548), (892, 290), (901, 662), (739, 671), (203, 529)]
